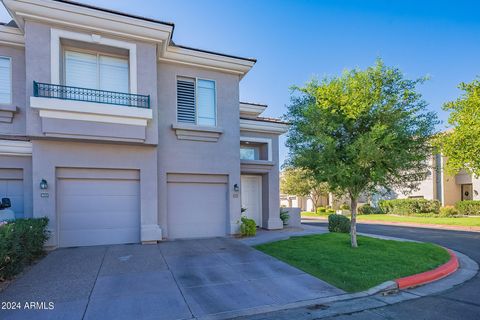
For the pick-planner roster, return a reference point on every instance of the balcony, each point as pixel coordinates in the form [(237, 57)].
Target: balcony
[(81, 113), (47, 90)]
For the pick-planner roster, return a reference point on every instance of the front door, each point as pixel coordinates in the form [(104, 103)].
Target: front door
[(467, 192), (251, 194)]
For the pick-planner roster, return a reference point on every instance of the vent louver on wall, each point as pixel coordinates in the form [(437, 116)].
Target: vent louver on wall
[(186, 100)]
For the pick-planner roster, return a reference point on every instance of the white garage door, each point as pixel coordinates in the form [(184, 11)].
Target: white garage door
[(97, 207), (11, 186), (197, 206)]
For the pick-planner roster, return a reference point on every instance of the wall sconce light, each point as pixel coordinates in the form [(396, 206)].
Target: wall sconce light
[(236, 188), (43, 184)]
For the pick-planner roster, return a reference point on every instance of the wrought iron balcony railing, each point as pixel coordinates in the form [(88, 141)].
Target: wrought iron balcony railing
[(47, 90)]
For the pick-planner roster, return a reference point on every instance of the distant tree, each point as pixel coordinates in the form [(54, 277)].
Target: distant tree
[(361, 131), (301, 183), (461, 146)]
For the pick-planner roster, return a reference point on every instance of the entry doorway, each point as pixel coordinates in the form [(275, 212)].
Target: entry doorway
[(467, 192), (251, 197)]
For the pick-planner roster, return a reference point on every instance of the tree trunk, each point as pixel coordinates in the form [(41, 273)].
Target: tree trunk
[(353, 222)]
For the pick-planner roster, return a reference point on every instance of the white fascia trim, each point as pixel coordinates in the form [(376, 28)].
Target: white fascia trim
[(263, 126), (15, 148), (251, 109), (11, 36), (205, 60), (87, 19), (90, 111), (57, 34), (260, 140)]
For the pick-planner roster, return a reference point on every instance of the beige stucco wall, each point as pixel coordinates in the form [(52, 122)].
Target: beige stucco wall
[(17, 126), (47, 156), (476, 188), (452, 192), (38, 68), (199, 157)]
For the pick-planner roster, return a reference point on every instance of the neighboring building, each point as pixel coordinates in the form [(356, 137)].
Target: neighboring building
[(443, 187), (291, 201), (118, 135)]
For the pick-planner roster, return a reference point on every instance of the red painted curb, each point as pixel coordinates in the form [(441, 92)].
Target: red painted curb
[(429, 276)]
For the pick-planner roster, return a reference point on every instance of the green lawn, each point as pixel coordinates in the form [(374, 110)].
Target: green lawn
[(330, 258), (313, 214), (464, 221)]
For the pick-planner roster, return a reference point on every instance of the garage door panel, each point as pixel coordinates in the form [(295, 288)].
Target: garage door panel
[(89, 187), (108, 203), (72, 238), (98, 211), (106, 219), (197, 210)]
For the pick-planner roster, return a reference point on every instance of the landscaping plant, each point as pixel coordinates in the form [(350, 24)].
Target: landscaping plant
[(284, 216), (21, 242), (468, 207), (248, 227), (449, 211), (410, 206), (338, 223), (321, 210), (360, 132), (368, 209)]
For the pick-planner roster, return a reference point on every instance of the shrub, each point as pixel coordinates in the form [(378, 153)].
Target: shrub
[(344, 207), (284, 216), (248, 227), (321, 210), (338, 223), (368, 209), (448, 211), (409, 206), (21, 242), (330, 211), (468, 207)]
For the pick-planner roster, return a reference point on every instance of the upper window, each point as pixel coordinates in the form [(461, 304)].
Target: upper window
[(5, 80), (96, 71), (249, 153), (196, 101)]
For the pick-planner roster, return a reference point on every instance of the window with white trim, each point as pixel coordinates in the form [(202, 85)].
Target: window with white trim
[(249, 152), (96, 71), (5, 80), (196, 101)]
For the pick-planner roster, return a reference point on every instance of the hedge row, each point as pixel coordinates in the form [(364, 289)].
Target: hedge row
[(468, 207), (409, 206), (21, 242)]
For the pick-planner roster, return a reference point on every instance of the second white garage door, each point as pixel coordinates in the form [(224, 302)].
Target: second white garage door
[(197, 205), (97, 207)]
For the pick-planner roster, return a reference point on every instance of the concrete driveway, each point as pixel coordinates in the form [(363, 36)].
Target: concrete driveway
[(171, 280)]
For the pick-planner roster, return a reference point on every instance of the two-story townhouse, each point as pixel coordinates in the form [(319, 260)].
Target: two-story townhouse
[(119, 135)]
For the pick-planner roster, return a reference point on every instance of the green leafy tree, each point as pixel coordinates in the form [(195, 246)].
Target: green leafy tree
[(361, 131), (461, 146), (301, 183)]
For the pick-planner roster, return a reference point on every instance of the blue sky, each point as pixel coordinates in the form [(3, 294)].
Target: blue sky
[(297, 40)]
